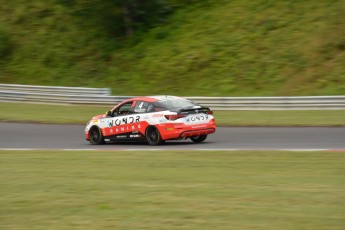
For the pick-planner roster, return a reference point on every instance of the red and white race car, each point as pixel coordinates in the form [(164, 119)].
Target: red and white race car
[(153, 119)]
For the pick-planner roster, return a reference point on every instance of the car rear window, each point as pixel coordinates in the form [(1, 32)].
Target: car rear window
[(175, 104)]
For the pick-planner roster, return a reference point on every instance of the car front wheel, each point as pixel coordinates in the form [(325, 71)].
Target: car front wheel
[(96, 137), (199, 139)]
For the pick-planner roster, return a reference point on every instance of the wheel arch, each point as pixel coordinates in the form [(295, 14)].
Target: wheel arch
[(95, 126), (161, 130)]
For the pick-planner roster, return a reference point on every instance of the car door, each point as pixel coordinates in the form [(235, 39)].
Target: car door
[(124, 120)]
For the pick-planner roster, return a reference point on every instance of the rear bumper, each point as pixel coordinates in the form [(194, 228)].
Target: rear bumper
[(180, 130), (193, 133)]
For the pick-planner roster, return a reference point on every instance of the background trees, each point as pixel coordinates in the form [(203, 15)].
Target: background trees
[(223, 47), (125, 17)]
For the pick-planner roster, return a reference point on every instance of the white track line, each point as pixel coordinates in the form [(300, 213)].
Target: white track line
[(223, 149)]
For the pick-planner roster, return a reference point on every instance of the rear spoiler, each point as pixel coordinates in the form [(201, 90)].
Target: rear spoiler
[(193, 111)]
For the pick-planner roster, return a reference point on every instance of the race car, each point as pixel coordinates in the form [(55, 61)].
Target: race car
[(154, 119)]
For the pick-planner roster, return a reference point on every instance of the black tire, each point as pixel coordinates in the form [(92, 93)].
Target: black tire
[(198, 139), (96, 136), (153, 137)]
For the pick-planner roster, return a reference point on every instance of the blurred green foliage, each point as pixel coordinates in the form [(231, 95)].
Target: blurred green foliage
[(224, 47), (5, 44)]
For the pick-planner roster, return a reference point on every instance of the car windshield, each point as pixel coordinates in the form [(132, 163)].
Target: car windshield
[(176, 103)]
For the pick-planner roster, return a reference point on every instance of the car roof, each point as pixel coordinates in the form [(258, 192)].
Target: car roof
[(153, 98), (147, 99)]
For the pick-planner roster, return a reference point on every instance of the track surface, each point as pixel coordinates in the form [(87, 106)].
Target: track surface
[(40, 136)]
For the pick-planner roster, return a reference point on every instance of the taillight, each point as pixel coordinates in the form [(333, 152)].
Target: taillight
[(171, 117), (210, 112), (174, 117)]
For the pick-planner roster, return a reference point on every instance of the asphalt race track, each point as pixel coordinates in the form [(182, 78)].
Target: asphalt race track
[(44, 136)]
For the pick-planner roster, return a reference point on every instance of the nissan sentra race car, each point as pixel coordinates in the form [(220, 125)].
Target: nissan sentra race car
[(153, 119)]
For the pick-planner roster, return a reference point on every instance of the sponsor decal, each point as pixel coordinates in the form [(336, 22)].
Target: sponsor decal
[(197, 118), (123, 121), (125, 128)]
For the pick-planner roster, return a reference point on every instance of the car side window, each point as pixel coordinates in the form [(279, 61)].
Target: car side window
[(124, 109), (154, 108), (158, 106), (141, 107)]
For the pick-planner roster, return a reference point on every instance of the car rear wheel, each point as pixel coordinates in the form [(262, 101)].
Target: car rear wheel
[(96, 137), (199, 139), (153, 137)]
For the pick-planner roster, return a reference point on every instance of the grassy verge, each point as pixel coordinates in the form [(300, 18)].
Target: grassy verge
[(172, 190), (281, 118), (43, 113), (81, 114)]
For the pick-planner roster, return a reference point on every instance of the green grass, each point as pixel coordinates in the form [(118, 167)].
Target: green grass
[(222, 48), (281, 118), (172, 190), (44, 113), (61, 114)]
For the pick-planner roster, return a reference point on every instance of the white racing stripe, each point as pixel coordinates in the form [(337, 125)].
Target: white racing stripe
[(78, 149), (142, 149)]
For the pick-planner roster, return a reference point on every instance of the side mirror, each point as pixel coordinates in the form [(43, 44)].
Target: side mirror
[(108, 113)]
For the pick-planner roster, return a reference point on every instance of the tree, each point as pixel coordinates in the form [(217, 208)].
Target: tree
[(123, 17), (143, 14)]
